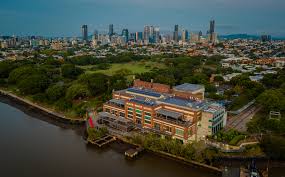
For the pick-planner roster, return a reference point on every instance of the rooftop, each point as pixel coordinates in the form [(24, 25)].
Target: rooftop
[(144, 92), (118, 101), (183, 102), (188, 87), (143, 101)]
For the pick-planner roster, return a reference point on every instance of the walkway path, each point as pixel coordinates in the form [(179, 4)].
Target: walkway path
[(53, 113)]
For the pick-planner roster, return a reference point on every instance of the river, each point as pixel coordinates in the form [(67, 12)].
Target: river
[(32, 147)]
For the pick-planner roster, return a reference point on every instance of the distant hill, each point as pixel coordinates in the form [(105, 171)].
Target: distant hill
[(246, 36)]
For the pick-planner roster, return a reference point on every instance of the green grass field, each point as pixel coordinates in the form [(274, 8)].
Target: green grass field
[(134, 67)]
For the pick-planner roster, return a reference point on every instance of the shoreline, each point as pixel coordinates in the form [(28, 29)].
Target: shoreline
[(182, 160), (57, 120), (52, 115)]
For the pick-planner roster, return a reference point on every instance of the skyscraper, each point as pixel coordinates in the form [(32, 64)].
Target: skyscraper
[(212, 26), (175, 34), (148, 34), (125, 34), (133, 37), (111, 29), (139, 36), (84, 30), (185, 35), (95, 35), (212, 34), (200, 35), (156, 36)]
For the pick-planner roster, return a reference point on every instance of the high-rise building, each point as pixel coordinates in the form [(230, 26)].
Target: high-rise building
[(175, 34), (139, 36), (156, 35), (148, 35), (212, 26), (200, 35), (125, 34), (212, 34), (194, 37), (133, 37), (111, 29), (185, 35), (265, 38), (84, 30), (95, 35)]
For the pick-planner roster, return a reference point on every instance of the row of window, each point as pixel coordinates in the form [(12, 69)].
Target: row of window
[(217, 128)]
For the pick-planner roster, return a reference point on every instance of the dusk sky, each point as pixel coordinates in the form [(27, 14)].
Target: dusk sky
[(65, 17)]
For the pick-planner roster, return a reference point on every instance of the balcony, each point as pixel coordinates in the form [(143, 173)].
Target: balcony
[(120, 104)]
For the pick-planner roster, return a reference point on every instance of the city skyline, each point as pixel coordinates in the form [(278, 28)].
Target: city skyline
[(35, 17)]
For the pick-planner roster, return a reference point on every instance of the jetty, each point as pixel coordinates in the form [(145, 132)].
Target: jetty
[(132, 153)]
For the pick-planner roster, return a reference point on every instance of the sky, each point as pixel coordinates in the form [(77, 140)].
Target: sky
[(65, 17)]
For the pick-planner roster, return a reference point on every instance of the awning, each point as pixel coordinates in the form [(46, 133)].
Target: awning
[(118, 101), (168, 113)]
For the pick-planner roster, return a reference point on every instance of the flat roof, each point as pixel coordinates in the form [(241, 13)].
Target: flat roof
[(144, 92), (118, 101), (186, 87), (168, 113), (183, 102), (143, 101)]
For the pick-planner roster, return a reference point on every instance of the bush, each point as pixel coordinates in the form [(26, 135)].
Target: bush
[(94, 134), (236, 139)]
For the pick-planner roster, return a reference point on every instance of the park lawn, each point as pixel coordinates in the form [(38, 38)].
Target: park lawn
[(134, 67)]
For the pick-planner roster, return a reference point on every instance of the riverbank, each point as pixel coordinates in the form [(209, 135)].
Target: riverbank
[(177, 158), (51, 114)]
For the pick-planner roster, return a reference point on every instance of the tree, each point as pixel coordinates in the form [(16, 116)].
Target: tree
[(272, 100), (5, 68), (63, 104), (20, 73), (96, 83), (33, 84), (77, 91), (55, 92), (70, 71), (218, 79), (274, 146)]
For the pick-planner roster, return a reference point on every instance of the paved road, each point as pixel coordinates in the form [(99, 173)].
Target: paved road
[(239, 121)]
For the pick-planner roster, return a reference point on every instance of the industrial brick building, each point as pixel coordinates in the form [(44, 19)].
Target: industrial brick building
[(180, 112)]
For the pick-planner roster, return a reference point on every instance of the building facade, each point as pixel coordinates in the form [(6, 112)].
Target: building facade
[(84, 30), (180, 112)]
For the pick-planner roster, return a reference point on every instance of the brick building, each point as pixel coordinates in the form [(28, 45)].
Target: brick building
[(180, 112)]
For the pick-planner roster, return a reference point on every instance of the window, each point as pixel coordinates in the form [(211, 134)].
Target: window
[(130, 116), (147, 122), (179, 132), (147, 117), (130, 112), (167, 129), (107, 110), (156, 126), (138, 111), (147, 113), (130, 109), (189, 132), (122, 114)]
